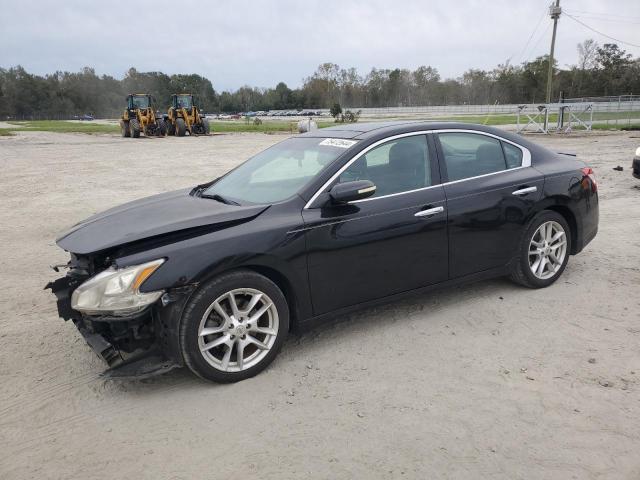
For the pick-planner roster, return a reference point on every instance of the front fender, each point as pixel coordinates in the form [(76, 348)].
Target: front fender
[(194, 261)]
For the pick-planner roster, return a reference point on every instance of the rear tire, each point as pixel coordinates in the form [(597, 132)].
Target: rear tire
[(244, 337), (543, 251), (162, 128), (181, 127), (134, 128), (124, 129), (207, 127), (171, 128)]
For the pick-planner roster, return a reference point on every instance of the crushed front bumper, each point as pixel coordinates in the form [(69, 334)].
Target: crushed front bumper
[(140, 345)]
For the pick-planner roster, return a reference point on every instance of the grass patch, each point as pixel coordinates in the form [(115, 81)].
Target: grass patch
[(63, 126), (241, 126), (267, 126), (613, 126), (291, 126)]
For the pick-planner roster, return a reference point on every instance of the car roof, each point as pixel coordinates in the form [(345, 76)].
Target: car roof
[(353, 130), (378, 130)]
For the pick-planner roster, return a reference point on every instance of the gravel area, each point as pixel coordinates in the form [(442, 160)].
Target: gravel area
[(488, 380)]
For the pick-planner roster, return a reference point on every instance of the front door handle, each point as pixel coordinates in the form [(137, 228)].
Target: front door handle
[(429, 212), (525, 191)]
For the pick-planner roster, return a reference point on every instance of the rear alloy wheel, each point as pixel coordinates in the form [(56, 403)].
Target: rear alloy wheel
[(234, 327), (547, 250), (544, 251)]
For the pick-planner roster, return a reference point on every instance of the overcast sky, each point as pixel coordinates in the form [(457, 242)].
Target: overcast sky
[(261, 42)]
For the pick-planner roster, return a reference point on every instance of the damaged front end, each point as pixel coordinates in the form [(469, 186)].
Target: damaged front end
[(134, 332)]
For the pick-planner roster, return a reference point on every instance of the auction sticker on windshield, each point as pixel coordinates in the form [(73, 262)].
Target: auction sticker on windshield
[(338, 142)]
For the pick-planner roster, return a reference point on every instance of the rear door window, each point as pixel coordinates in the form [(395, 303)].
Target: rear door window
[(469, 155)]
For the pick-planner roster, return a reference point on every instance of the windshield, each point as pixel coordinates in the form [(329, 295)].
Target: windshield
[(278, 172), (184, 101), (140, 102)]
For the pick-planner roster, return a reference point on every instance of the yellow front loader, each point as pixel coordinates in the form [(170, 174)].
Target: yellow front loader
[(139, 116), (183, 116)]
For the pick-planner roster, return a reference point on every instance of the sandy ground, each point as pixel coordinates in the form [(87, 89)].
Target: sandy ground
[(489, 380)]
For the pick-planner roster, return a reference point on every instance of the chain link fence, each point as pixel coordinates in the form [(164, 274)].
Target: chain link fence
[(614, 110), (617, 110)]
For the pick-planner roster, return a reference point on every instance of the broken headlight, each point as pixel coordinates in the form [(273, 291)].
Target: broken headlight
[(116, 291)]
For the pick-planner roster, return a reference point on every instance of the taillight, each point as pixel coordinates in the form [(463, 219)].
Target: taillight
[(588, 172)]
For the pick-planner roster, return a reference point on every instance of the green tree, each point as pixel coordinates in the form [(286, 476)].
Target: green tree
[(335, 110)]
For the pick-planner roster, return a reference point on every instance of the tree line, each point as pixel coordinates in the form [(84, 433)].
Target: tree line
[(601, 70)]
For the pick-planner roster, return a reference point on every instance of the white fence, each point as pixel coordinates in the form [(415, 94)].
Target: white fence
[(505, 109)]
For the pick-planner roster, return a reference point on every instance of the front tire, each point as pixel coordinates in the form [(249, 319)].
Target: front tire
[(162, 128), (181, 127), (543, 251), (124, 129), (233, 327), (134, 128)]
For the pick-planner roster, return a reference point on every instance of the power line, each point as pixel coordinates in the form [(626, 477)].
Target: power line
[(600, 33), (608, 20), (544, 34), (596, 14), (530, 37)]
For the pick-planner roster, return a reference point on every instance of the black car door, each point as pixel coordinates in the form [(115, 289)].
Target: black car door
[(491, 190), (391, 242)]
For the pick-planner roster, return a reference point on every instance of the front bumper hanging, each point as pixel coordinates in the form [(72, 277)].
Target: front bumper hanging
[(119, 341)]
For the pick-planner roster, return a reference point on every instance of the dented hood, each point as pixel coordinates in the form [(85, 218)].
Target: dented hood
[(151, 217)]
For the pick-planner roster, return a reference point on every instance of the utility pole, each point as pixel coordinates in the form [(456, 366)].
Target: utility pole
[(554, 11)]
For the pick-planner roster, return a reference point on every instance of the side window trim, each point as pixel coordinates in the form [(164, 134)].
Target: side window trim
[(432, 141)]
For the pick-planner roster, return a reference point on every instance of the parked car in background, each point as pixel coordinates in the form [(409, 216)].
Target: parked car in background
[(213, 277)]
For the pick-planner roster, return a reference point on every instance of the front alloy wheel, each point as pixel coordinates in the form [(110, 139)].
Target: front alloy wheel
[(238, 330), (233, 326)]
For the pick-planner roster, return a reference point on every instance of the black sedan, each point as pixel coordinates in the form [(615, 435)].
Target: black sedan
[(214, 277)]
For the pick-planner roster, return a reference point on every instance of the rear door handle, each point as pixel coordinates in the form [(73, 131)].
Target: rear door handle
[(525, 191), (429, 212)]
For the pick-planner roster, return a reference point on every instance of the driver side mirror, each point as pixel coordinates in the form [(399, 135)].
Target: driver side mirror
[(350, 191)]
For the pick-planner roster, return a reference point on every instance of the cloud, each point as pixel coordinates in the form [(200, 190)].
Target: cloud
[(261, 42)]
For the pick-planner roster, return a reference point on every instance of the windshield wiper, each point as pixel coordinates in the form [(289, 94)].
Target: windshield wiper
[(219, 198)]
